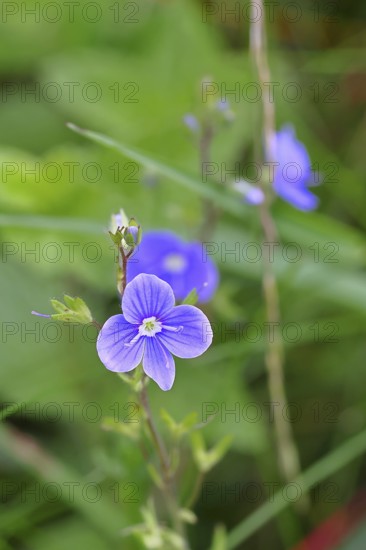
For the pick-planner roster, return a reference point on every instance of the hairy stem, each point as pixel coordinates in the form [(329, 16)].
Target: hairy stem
[(288, 456), (167, 477)]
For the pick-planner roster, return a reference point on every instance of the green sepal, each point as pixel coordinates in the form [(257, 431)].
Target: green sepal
[(191, 299), (116, 237)]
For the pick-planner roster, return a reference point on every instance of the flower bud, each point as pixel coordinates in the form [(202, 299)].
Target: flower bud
[(251, 193)]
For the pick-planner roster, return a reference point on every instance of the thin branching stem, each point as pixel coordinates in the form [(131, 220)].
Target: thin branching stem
[(210, 212), (288, 456), (168, 487)]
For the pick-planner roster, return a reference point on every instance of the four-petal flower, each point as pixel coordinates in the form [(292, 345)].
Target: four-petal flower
[(151, 329)]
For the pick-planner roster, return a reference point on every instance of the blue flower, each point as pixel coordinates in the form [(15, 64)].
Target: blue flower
[(293, 175), (191, 122), (183, 265), (223, 105), (150, 330), (251, 193)]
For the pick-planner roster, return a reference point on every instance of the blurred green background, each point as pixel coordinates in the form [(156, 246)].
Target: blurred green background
[(132, 74)]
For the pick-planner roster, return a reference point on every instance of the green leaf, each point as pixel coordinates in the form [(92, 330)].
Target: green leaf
[(322, 469), (192, 298), (59, 307), (74, 310), (219, 541), (179, 429), (155, 476), (188, 516), (204, 459), (135, 380), (130, 429)]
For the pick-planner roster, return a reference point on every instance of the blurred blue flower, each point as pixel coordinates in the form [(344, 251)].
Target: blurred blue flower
[(223, 105), (191, 122), (293, 175), (183, 265), (251, 193), (150, 330)]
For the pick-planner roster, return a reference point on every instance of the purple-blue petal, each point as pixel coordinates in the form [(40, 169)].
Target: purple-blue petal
[(300, 197), (150, 254), (146, 296), (202, 274), (191, 122), (254, 195), (158, 363), (293, 175), (289, 150), (194, 335), (154, 256), (294, 162), (111, 345)]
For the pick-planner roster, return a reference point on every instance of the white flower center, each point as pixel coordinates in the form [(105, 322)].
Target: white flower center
[(150, 326), (175, 263)]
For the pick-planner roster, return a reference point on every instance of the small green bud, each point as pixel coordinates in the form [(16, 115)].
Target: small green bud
[(124, 232)]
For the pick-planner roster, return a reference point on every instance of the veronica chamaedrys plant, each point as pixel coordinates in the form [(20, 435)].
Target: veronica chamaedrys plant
[(182, 265), (151, 329)]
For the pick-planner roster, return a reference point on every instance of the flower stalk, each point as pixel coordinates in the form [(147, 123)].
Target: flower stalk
[(288, 456), (168, 486), (210, 211)]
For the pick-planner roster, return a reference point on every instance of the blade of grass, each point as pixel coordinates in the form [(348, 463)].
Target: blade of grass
[(46, 222), (222, 197), (103, 515), (322, 469)]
